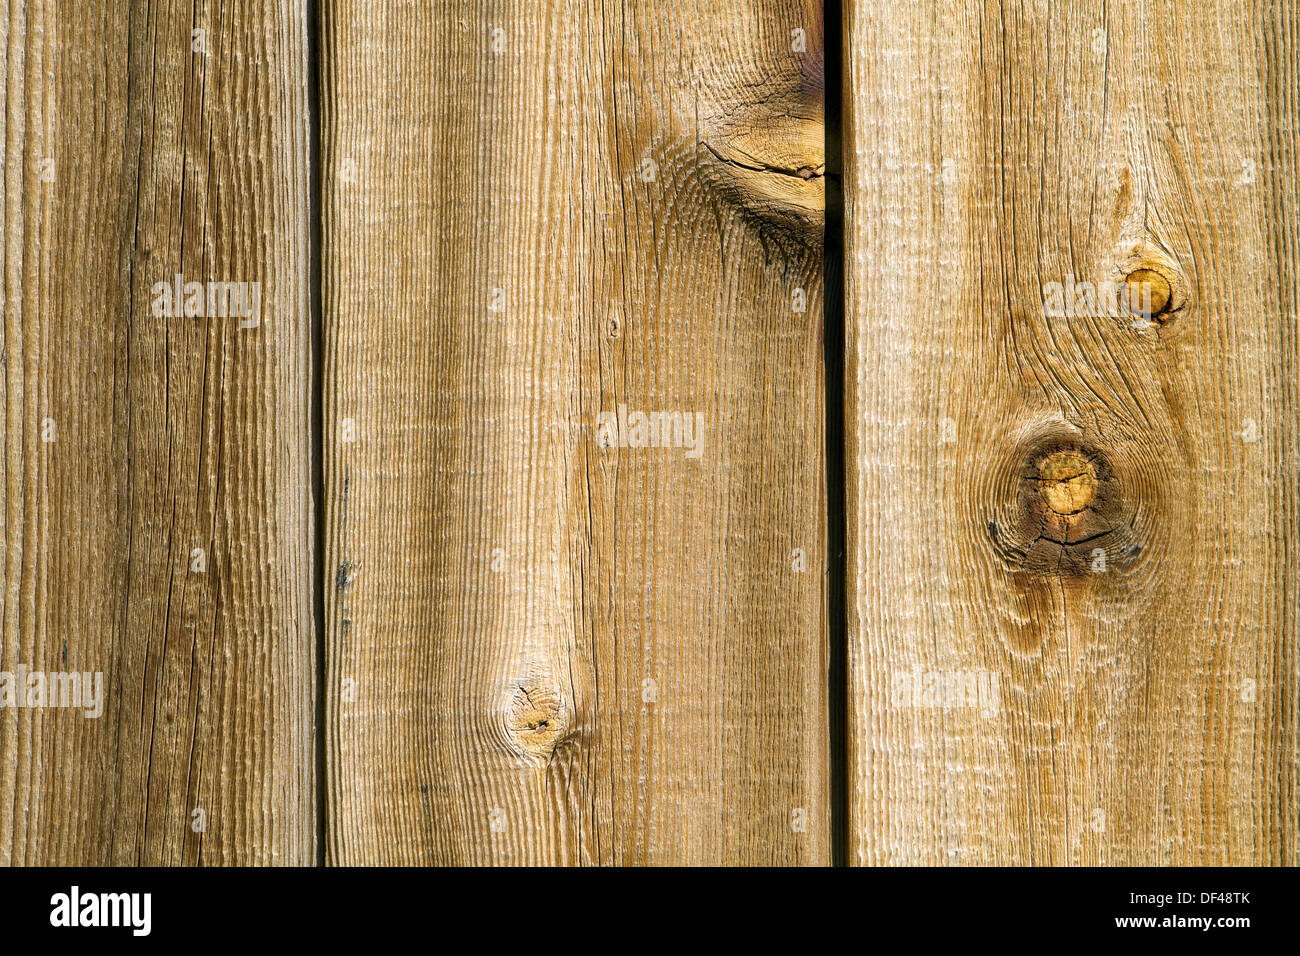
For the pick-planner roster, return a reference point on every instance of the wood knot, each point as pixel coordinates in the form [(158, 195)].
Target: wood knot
[(764, 150), (1150, 282), (1067, 481), (775, 171), (1062, 510), (535, 720), (1148, 293)]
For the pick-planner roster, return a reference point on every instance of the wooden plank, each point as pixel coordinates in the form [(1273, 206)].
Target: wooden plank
[(136, 149), (1073, 564), (541, 649)]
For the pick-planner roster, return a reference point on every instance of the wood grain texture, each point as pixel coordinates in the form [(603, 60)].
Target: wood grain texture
[(129, 439), (1073, 560), (542, 647)]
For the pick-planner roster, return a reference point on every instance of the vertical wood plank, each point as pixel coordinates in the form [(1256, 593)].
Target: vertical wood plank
[(156, 470), (545, 645), (1073, 561)]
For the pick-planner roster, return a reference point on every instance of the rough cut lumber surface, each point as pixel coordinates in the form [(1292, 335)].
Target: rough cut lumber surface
[(541, 650), (169, 434), (1092, 522)]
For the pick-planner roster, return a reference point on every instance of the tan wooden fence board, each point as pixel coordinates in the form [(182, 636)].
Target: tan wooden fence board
[(132, 439), (541, 650), (1099, 517)]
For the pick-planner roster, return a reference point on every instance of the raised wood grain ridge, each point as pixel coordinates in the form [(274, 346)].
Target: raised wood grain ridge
[(544, 643), (157, 490), (1073, 577)]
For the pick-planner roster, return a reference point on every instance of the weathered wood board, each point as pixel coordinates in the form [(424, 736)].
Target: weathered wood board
[(1073, 570), (548, 642), (577, 605), (157, 518)]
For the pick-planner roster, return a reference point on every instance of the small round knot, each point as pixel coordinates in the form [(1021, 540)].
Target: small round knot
[(1058, 503), (536, 721), (1147, 293), (1148, 281)]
